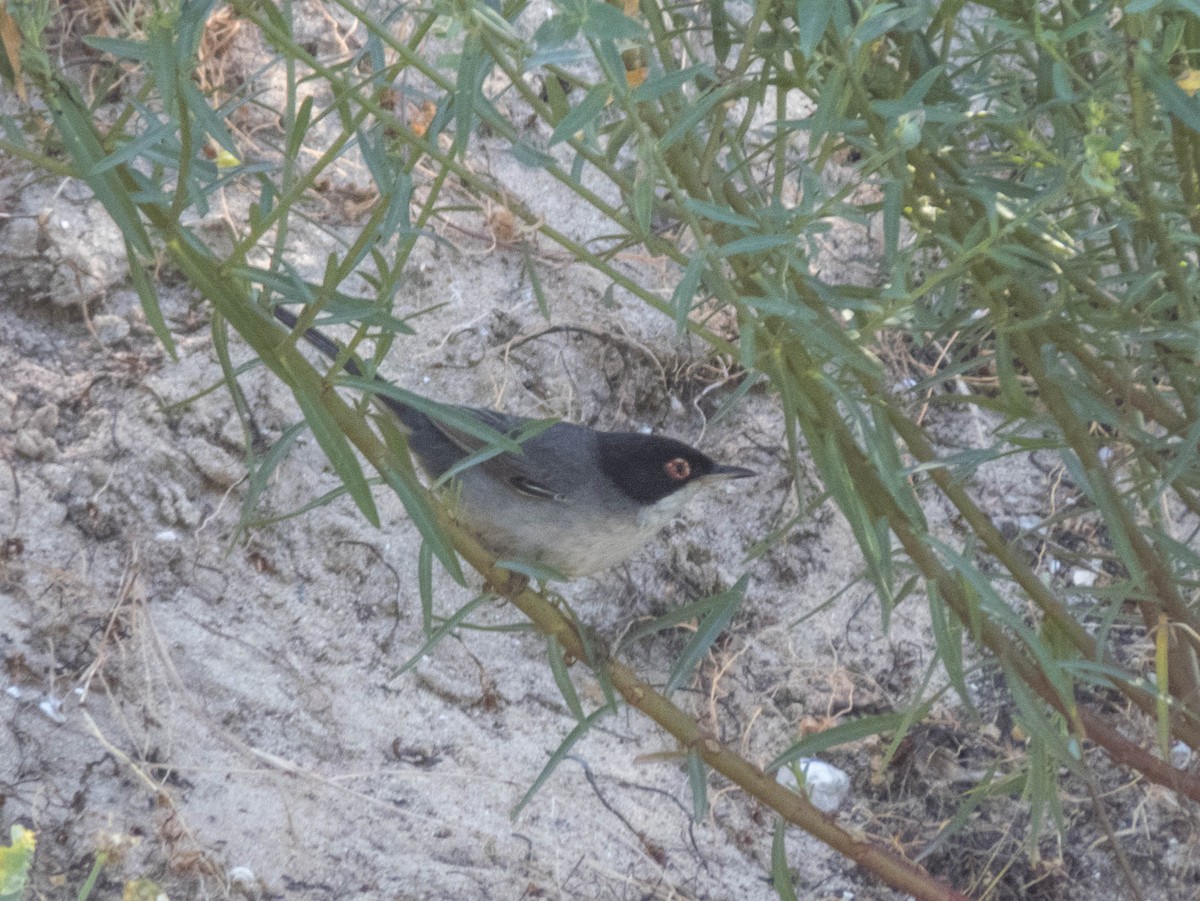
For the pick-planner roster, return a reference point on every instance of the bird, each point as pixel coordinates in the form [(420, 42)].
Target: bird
[(574, 501)]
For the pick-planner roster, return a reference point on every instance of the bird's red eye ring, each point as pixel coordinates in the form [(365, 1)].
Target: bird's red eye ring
[(678, 469)]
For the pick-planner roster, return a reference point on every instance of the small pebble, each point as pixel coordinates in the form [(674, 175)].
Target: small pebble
[(1083, 578), (242, 876), (1181, 755), (826, 785), (52, 707)]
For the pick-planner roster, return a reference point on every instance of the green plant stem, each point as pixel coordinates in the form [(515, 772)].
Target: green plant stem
[(794, 807), (40, 161), (880, 498), (1077, 437), (1160, 585), (1186, 724), (257, 327), (1167, 254), (1159, 580)]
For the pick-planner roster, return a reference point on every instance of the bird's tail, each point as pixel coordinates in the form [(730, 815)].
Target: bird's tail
[(330, 348)]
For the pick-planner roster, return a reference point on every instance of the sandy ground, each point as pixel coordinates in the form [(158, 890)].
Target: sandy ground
[(216, 709), (226, 706), (221, 712)]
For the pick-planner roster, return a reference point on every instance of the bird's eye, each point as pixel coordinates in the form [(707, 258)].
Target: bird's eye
[(678, 469)]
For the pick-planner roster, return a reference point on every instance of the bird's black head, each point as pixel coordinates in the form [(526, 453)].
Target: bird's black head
[(648, 468)]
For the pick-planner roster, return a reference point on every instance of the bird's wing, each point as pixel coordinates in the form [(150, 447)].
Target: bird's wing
[(514, 470)]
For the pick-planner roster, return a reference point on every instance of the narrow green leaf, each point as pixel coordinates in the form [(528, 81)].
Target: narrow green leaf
[(207, 122), (438, 634), (557, 56), (340, 308), (559, 754), (730, 403), (1173, 98), (893, 202), (948, 637), (608, 23), (453, 416), (711, 627), (718, 213), (812, 18), (562, 677), (470, 64), (991, 604), (495, 23), (396, 199), (698, 780), (611, 63), (138, 51), (556, 96), (275, 17), (1162, 682), (882, 446), (189, 27), (1187, 455), (662, 83), (486, 453), (529, 268), (529, 156), (300, 128), (148, 297), (880, 18), (748, 347), (672, 618), (1047, 738), (287, 284), (643, 203), (781, 877), (339, 453), (538, 572), (913, 714), (986, 788), (559, 29), (847, 495), (416, 502), (945, 16), (844, 733), (425, 586), (582, 115), (722, 43), (316, 503), (89, 884), (82, 143), (261, 476), (753, 244), (828, 114), (1012, 388), (913, 98), (685, 291), (135, 148), (692, 115)]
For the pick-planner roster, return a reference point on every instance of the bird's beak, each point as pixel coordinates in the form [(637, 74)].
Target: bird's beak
[(720, 472)]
